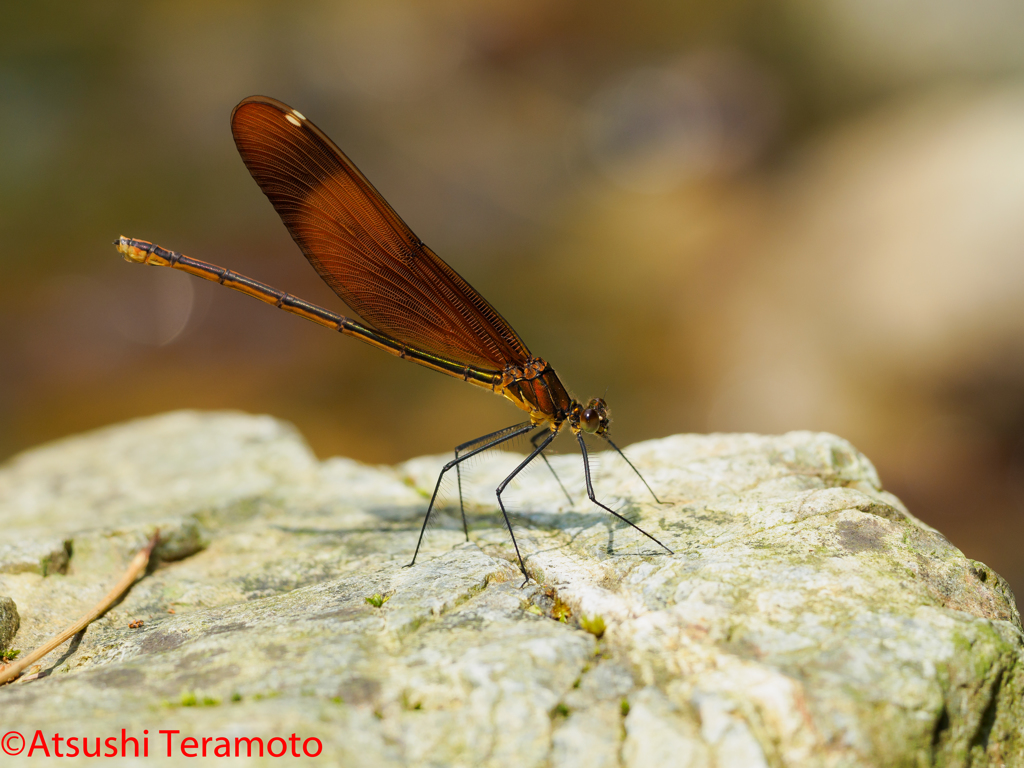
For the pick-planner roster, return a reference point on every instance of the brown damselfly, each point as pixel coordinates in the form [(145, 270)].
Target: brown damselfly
[(414, 305)]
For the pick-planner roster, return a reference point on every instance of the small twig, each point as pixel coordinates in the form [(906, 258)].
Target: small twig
[(135, 569)]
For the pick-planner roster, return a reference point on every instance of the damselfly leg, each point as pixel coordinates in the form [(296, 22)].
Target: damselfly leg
[(613, 445), (593, 496), (536, 452), (504, 435), (533, 441)]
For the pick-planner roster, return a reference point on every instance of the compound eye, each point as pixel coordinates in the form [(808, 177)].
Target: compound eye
[(590, 420)]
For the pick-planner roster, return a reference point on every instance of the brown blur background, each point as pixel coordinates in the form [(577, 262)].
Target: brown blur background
[(739, 215)]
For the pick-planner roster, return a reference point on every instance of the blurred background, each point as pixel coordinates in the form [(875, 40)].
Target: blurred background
[(724, 216)]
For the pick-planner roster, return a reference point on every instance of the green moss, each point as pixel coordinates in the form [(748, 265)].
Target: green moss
[(9, 655), (409, 704), (377, 599), (410, 483), (624, 707), (962, 643), (592, 624), (560, 710), (190, 699), (560, 611)]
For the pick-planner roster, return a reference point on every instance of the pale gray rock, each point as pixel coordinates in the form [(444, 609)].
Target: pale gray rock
[(805, 619)]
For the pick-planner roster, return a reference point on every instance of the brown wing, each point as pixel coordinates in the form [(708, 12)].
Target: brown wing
[(359, 245)]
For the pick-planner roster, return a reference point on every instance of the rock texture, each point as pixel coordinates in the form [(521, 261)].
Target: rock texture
[(805, 619)]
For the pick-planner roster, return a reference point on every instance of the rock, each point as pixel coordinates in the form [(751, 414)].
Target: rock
[(806, 617), (9, 622)]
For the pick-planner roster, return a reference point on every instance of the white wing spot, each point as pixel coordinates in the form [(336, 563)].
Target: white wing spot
[(292, 120), (298, 114)]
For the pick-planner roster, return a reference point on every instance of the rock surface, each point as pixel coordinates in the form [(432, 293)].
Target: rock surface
[(806, 618)]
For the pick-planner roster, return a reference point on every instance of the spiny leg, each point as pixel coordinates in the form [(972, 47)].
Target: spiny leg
[(533, 442), (516, 431), (593, 497), (458, 468), (613, 445), (536, 451)]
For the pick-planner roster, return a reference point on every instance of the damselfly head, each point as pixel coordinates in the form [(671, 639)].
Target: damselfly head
[(592, 417)]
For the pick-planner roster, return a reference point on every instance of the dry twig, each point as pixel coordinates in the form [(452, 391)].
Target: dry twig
[(135, 569)]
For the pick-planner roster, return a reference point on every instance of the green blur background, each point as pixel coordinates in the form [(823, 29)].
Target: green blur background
[(723, 216)]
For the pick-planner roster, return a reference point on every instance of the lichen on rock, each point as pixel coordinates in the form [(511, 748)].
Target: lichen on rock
[(806, 617)]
